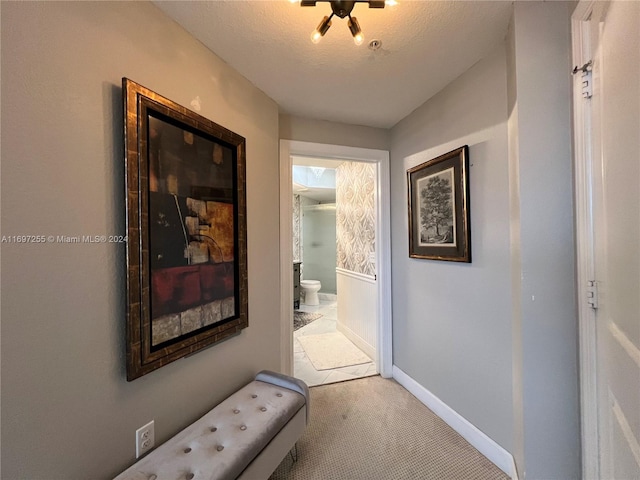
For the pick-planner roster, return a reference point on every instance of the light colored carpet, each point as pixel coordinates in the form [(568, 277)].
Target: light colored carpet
[(331, 350), (300, 319), (373, 429)]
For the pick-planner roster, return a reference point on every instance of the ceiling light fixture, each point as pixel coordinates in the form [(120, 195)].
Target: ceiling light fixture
[(342, 9)]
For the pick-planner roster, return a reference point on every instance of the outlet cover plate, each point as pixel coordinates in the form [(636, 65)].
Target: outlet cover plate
[(145, 439)]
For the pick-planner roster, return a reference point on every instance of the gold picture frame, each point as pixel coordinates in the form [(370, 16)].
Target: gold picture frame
[(187, 233)]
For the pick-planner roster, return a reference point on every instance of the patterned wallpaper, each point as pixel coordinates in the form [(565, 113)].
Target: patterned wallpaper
[(297, 229), (355, 216)]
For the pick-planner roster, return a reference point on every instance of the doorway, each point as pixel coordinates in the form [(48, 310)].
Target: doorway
[(334, 245), (381, 257)]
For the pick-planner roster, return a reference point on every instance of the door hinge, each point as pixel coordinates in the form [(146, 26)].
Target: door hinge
[(592, 294), (587, 78)]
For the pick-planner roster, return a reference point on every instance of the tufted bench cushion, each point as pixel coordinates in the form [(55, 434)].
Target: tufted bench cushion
[(225, 441)]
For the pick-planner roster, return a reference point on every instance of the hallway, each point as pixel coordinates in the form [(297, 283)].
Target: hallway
[(355, 435)]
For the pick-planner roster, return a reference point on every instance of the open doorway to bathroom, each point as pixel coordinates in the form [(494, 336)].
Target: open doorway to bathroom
[(334, 245), (337, 199)]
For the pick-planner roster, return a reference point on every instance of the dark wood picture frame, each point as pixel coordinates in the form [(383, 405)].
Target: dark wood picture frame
[(187, 233), (439, 226)]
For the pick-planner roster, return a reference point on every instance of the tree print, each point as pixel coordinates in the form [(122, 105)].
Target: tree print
[(436, 210)]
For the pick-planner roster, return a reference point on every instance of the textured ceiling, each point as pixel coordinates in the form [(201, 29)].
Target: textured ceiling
[(425, 45)]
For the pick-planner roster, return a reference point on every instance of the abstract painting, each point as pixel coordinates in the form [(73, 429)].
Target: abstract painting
[(186, 210)]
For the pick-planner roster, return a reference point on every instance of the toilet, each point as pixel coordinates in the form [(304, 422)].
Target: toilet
[(310, 290)]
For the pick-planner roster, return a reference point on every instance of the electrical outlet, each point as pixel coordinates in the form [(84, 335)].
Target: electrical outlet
[(145, 439)]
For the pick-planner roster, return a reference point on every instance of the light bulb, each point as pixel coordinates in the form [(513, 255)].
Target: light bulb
[(316, 36), (391, 3), (358, 39)]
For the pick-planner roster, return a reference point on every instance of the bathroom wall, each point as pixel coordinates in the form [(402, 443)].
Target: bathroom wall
[(355, 216), (319, 244), (356, 242), (297, 229)]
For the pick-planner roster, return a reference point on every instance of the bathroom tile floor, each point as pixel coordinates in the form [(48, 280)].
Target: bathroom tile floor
[(302, 366)]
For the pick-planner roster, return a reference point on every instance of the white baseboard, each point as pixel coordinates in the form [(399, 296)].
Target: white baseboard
[(358, 341), (490, 449), (328, 297)]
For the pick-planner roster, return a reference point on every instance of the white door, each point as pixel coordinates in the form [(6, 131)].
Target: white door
[(611, 206)]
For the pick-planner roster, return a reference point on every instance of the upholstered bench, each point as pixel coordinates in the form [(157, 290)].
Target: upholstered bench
[(244, 437)]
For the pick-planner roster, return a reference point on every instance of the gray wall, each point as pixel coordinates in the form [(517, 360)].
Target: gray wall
[(545, 344), (452, 322), (497, 339), (67, 410), (333, 133)]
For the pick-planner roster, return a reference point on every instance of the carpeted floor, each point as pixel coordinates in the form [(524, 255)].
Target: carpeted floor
[(300, 319), (373, 429)]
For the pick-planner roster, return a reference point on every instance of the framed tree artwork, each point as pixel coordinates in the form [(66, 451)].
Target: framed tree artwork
[(186, 225), (438, 208)]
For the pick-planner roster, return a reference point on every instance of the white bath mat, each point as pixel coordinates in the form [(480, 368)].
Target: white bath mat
[(331, 350)]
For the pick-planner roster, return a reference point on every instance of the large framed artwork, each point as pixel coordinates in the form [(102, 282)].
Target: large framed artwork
[(186, 226), (439, 226)]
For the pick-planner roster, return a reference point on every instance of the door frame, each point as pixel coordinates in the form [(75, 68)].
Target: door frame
[(585, 242), (384, 347)]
